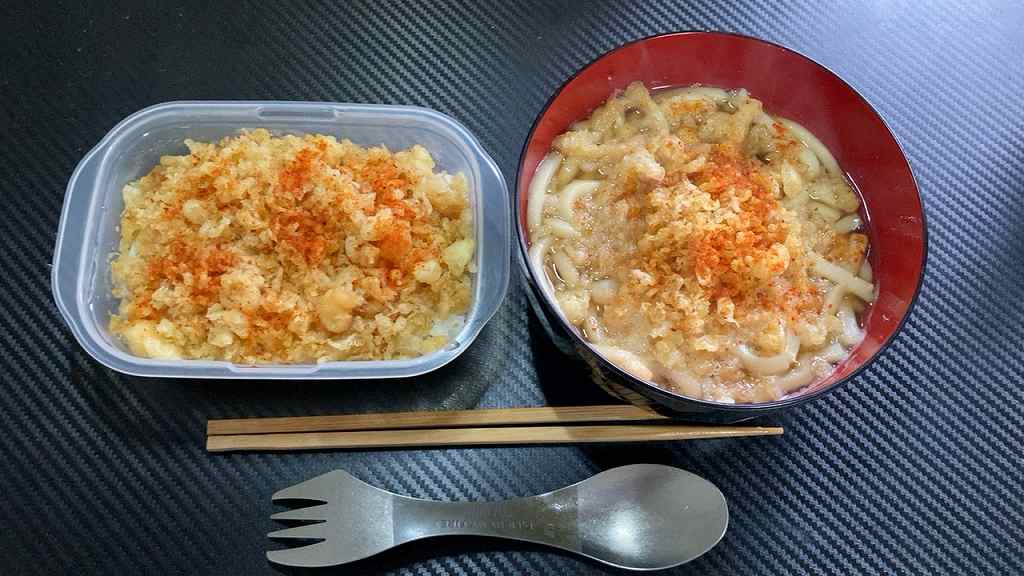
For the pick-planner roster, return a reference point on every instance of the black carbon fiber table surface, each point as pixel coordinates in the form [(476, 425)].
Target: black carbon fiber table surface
[(915, 467)]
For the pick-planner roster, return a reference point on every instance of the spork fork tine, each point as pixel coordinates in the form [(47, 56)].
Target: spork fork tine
[(308, 514), (316, 531), (640, 517), (319, 488), (313, 556)]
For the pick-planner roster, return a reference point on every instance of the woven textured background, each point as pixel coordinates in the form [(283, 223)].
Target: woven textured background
[(915, 467)]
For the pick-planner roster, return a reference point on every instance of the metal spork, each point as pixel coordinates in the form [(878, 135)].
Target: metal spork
[(640, 517)]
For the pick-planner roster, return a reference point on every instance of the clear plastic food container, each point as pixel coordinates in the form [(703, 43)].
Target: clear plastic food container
[(88, 232)]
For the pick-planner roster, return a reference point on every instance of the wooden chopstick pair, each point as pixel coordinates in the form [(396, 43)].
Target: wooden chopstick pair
[(498, 426)]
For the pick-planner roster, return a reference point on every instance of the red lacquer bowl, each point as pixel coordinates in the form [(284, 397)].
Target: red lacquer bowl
[(790, 85)]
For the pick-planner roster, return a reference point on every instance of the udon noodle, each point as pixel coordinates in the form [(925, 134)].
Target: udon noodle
[(701, 244)]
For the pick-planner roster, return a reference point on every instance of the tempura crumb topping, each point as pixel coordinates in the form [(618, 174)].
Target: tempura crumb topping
[(292, 249)]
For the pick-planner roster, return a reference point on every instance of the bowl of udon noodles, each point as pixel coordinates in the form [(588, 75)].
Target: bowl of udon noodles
[(719, 226)]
